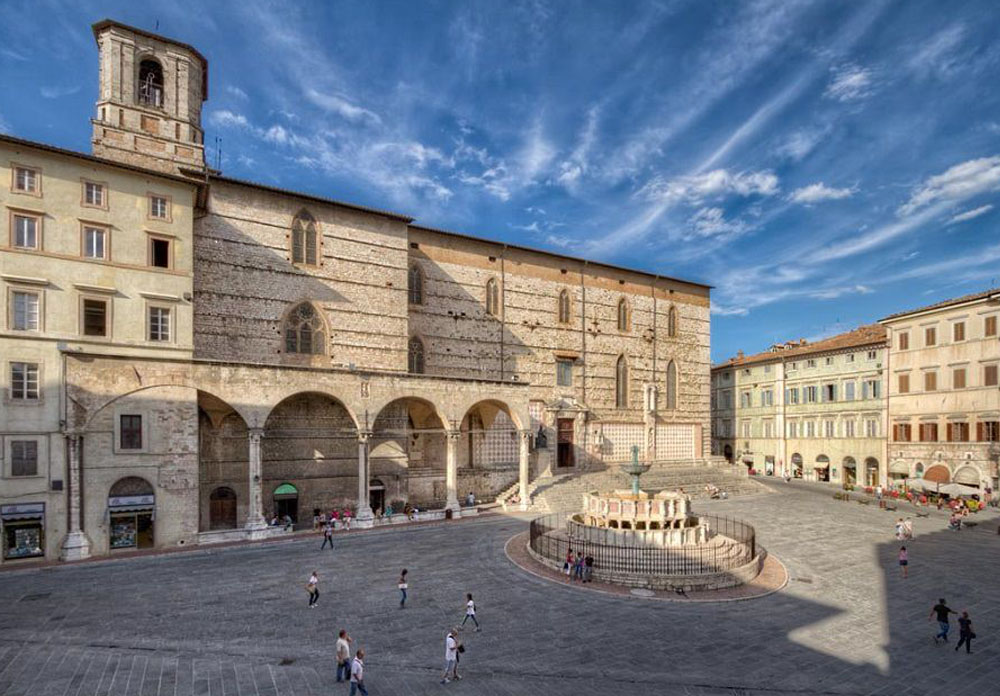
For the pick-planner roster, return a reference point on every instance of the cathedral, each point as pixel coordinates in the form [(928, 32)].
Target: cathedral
[(186, 355)]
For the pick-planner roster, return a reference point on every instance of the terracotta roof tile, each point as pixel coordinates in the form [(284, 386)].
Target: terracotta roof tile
[(867, 335), (946, 303)]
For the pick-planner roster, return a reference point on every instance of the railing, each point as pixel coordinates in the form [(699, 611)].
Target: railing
[(550, 539)]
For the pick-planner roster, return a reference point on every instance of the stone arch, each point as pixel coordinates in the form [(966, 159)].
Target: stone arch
[(968, 475), (489, 429), (149, 81), (130, 486), (223, 462), (171, 384), (408, 451), (938, 473), (872, 474)]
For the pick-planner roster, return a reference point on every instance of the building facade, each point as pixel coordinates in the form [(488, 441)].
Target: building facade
[(274, 352), (944, 398), (811, 410)]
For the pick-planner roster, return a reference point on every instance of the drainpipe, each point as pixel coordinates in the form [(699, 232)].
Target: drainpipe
[(583, 329), (503, 308)]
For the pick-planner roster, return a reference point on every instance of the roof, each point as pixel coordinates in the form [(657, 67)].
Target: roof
[(92, 158), (985, 294), (106, 23), (535, 250), (869, 334), (311, 197)]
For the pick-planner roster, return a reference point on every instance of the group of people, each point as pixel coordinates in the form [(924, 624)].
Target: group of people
[(904, 529), (350, 668), (578, 567), (965, 633), (714, 492), (324, 519), (957, 518)]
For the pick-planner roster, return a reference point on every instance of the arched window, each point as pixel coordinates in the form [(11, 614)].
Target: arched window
[(415, 285), (493, 297), (304, 331), (672, 322), (304, 239), (623, 315), (150, 87), (671, 385), (416, 356), (563, 307), (621, 383)]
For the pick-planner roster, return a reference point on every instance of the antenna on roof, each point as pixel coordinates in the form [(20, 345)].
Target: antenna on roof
[(157, 25), (218, 152)]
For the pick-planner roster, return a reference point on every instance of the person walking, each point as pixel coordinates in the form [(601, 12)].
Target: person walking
[(327, 536), (941, 610), (312, 587), (965, 634), (588, 568), (568, 564), (358, 674), (343, 656), (450, 656), (470, 612), (904, 561), (578, 567), (403, 585)]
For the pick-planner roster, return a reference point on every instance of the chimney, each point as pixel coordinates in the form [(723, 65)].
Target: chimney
[(739, 355)]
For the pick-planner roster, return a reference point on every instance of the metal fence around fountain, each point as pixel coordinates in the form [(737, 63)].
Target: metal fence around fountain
[(549, 538)]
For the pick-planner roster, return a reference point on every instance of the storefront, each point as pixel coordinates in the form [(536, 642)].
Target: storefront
[(822, 468), (23, 530)]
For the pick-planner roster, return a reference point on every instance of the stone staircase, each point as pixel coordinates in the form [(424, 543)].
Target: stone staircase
[(564, 493)]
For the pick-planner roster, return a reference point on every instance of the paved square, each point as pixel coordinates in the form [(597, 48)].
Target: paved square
[(234, 621)]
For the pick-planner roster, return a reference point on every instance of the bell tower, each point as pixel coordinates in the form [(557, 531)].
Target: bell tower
[(149, 103)]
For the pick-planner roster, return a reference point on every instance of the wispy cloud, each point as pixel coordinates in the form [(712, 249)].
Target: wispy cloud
[(713, 184), (54, 92), (850, 82), (941, 54), (234, 91), (800, 143), (8, 52), (224, 118), (340, 105), (712, 222), (577, 164), (834, 293), (4, 126), (970, 214), (814, 193), (957, 183)]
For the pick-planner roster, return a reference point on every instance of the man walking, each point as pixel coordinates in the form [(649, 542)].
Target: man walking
[(312, 587), (358, 674), (343, 656), (470, 612), (941, 610), (965, 634), (327, 536), (450, 656)]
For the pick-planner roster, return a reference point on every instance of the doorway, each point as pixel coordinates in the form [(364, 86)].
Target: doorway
[(564, 448), (286, 502), (222, 509), (376, 496)]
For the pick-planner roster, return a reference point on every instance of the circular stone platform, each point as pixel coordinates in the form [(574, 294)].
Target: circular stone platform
[(773, 577)]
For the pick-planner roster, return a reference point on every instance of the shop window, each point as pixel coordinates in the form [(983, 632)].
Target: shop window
[(25, 312), (23, 530), (24, 458), (130, 432), (24, 381), (304, 331), (305, 240), (131, 503)]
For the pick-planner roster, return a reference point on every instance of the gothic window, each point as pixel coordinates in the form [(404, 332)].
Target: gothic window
[(415, 285), (416, 356), (671, 386), (563, 307), (672, 322), (150, 83), (304, 331), (493, 297), (305, 241), (623, 315), (621, 383)]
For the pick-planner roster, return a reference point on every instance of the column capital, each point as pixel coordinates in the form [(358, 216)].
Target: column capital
[(453, 434), (364, 435), (255, 433), (525, 433)]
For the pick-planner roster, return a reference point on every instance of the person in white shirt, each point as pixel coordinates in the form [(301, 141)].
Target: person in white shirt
[(343, 656), (358, 674), (470, 612), (312, 587), (450, 656)]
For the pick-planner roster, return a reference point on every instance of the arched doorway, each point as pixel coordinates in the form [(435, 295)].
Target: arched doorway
[(222, 508), (850, 470), (131, 513), (938, 474), (822, 468), (871, 472), (797, 465), (286, 502), (376, 496), (727, 452)]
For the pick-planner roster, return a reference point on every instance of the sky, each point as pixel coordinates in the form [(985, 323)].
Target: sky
[(821, 164)]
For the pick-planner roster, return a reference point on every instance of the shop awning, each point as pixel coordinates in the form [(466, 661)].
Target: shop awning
[(899, 467), (23, 511), (131, 502), (287, 490)]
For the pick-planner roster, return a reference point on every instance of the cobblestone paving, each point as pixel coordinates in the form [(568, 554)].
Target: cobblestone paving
[(234, 621)]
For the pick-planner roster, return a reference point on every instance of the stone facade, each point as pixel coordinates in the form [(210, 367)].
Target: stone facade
[(944, 398), (320, 354), (815, 411)]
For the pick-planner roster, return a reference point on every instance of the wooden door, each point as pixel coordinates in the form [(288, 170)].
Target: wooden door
[(565, 453)]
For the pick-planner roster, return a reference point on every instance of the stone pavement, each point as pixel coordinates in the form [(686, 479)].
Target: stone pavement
[(234, 621)]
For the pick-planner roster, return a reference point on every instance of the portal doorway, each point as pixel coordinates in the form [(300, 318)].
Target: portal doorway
[(222, 508), (564, 448), (286, 502), (376, 495)]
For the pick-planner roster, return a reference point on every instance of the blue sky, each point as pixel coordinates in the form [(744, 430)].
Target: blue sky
[(822, 164)]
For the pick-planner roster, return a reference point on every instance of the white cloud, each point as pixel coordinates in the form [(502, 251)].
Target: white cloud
[(835, 292), (814, 193), (711, 222), (224, 118), (236, 92), (958, 183), (850, 82), (337, 104), (939, 55), (729, 311), (716, 183), (13, 55), (800, 143), (571, 169), (56, 92), (970, 214)]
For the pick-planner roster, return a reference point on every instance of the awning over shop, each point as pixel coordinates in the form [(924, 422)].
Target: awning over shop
[(822, 462), (286, 490), (899, 467), (967, 475), (22, 511)]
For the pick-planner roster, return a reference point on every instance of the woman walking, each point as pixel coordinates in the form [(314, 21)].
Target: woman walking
[(312, 587), (403, 585), (470, 612), (965, 634)]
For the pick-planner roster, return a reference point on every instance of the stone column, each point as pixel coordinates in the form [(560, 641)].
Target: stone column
[(451, 471), (365, 517), (523, 469), (255, 522), (75, 546)]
